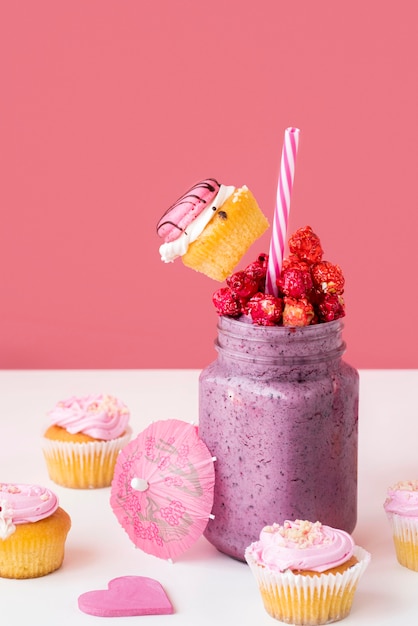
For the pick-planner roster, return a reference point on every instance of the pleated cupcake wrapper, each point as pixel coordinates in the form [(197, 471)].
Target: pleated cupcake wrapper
[(405, 539), (310, 600), (84, 465)]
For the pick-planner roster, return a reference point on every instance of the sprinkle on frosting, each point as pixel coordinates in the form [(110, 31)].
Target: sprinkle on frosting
[(99, 416), (402, 499), (302, 545), (20, 504), (238, 193), (406, 485), (302, 534)]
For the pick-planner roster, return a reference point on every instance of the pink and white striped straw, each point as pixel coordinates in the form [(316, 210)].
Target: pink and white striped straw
[(281, 213)]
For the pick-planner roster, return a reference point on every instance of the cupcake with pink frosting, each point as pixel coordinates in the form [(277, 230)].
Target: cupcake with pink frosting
[(83, 440), (307, 572), (33, 530), (401, 506)]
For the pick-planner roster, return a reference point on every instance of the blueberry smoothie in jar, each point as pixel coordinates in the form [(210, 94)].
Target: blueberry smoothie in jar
[(279, 406), (279, 410)]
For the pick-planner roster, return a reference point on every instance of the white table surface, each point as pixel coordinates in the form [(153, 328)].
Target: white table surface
[(204, 586)]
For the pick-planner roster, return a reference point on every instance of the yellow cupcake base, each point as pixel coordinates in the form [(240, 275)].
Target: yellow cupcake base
[(36, 548), (232, 230), (88, 465)]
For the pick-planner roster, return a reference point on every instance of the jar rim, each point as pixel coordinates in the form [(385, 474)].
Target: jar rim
[(280, 345), (306, 359), (298, 332)]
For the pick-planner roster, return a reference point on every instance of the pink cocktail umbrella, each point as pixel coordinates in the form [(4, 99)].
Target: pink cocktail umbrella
[(162, 489)]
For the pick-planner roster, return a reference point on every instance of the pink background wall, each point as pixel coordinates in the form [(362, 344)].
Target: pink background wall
[(109, 110)]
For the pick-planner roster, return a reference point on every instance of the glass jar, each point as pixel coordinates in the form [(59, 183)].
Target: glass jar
[(279, 410)]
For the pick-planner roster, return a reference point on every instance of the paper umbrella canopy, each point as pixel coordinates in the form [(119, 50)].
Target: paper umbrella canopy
[(162, 488)]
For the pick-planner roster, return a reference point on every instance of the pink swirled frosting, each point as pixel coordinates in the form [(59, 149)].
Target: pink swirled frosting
[(402, 499), (99, 416), (20, 504), (302, 545)]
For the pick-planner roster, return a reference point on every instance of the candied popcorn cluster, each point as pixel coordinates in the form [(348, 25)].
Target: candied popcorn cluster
[(309, 288)]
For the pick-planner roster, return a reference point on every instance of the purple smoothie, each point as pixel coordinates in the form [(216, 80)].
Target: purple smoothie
[(279, 410)]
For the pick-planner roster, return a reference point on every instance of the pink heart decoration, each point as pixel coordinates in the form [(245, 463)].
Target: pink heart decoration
[(127, 595)]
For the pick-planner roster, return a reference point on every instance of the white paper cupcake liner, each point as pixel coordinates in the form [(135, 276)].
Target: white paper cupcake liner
[(311, 600), (85, 465), (405, 539)]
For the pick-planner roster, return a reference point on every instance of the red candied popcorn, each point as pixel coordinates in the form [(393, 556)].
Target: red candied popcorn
[(259, 266), (227, 303), (295, 279), (258, 270), (265, 309), (297, 312), (327, 277), (330, 307), (242, 284), (309, 288), (305, 245)]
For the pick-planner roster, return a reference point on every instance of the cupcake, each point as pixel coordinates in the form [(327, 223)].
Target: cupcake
[(33, 529), (83, 440), (211, 227), (307, 572), (401, 506)]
